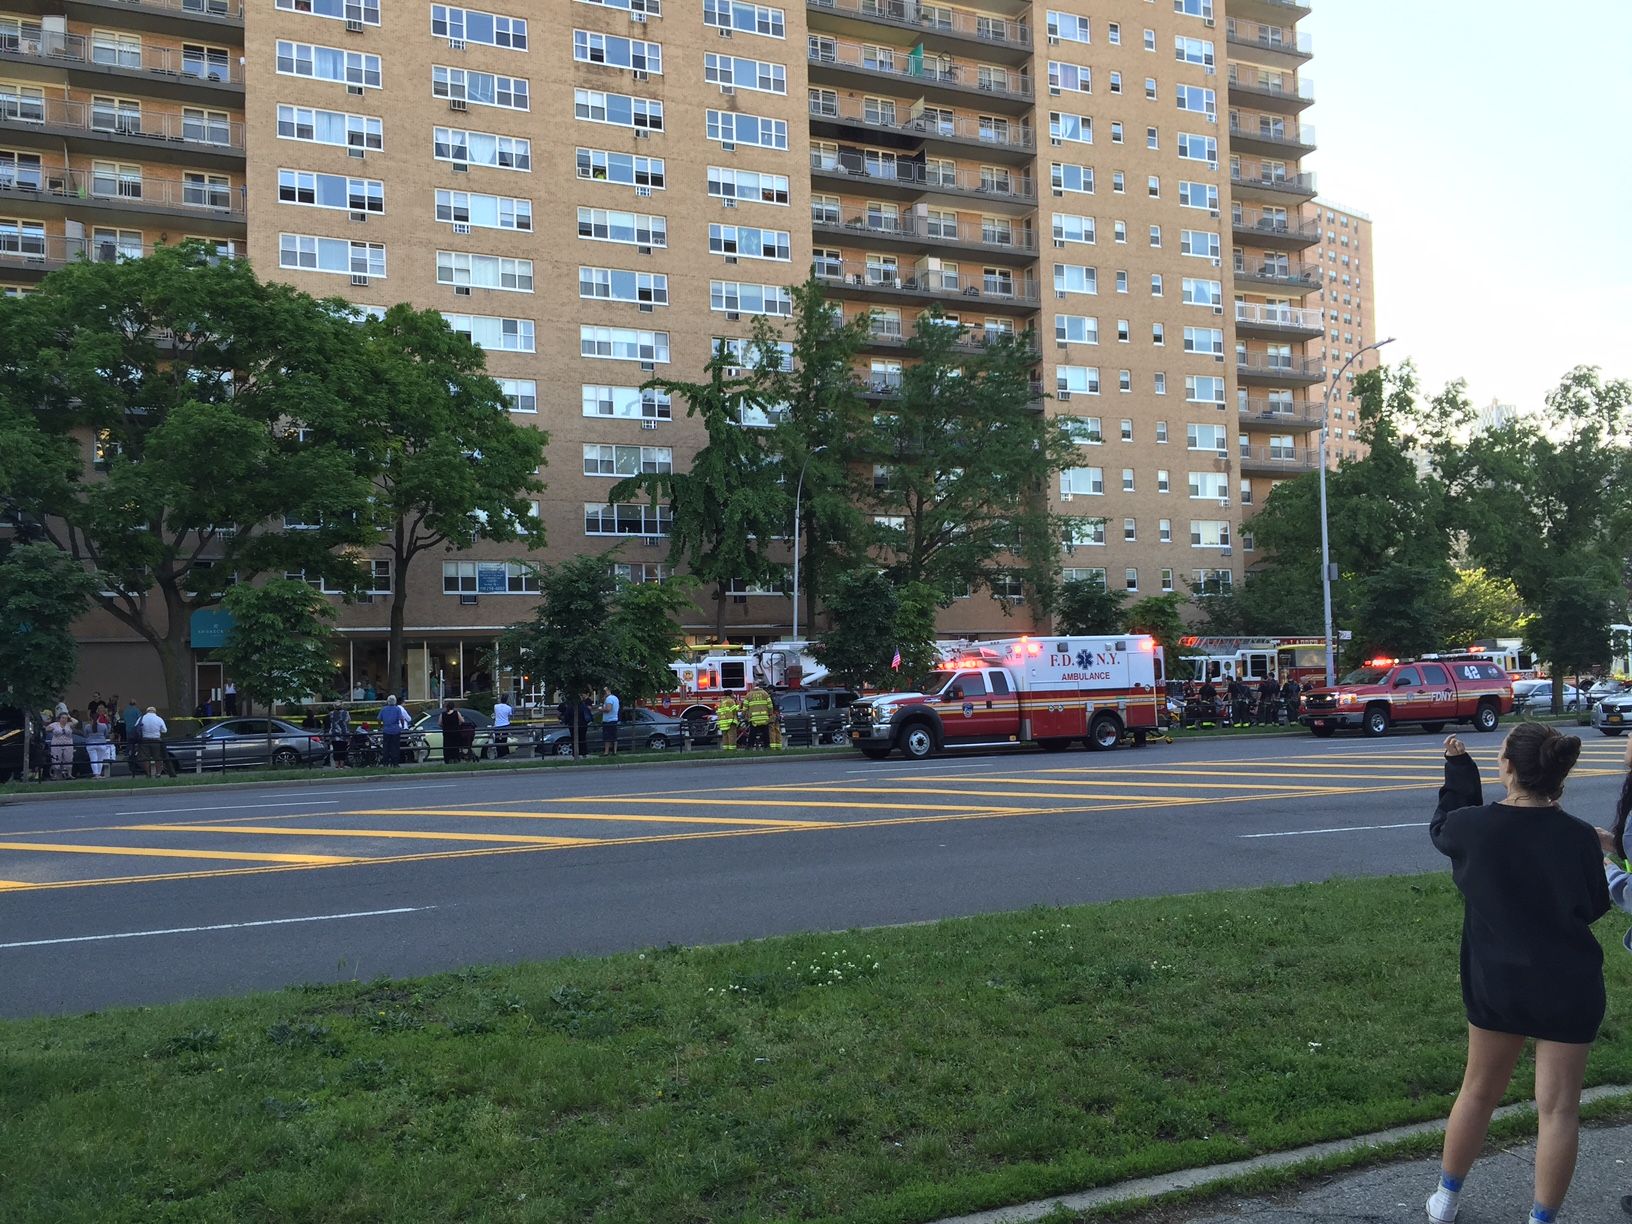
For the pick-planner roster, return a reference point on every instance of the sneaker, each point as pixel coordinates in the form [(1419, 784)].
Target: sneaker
[(1442, 1207)]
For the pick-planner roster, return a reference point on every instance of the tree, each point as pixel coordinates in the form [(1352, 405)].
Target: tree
[(646, 626), (571, 639), (277, 648), (1400, 611), (214, 402), (1159, 616), (728, 508), (1481, 606), (859, 645), (916, 605), (964, 462), (1089, 609), (1571, 630), (41, 592), (807, 377), (448, 463)]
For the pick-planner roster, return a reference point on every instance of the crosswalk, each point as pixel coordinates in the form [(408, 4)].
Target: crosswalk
[(324, 832)]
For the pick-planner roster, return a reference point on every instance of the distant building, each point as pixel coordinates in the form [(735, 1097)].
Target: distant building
[(1343, 256)]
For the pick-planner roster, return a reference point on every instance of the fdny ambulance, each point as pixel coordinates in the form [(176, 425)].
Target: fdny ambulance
[(1049, 691)]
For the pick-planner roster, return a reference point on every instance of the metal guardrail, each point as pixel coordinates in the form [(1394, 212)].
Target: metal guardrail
[(1014, 187), (1287, 135), (1013, 136), (999, 31), (101, 120), (1251, 220), (90, 186), (75, 49), (919, 70), (965, 235), (935, 284)]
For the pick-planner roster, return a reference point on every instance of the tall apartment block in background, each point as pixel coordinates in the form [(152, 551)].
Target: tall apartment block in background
[(599, 191), (1343, 258)]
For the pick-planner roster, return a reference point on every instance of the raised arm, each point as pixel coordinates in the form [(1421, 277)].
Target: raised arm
[(1461, 790)]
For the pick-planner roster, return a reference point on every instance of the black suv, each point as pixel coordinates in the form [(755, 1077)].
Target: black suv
[(815, 715)]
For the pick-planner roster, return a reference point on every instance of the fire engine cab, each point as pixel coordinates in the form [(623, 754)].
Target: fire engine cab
[(708, 673), (1049, 691)]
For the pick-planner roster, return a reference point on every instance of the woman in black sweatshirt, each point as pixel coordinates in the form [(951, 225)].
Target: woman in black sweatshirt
[(1532, 883)]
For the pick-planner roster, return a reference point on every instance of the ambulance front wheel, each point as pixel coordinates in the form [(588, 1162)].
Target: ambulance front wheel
[(918, 742), (1104, 732)]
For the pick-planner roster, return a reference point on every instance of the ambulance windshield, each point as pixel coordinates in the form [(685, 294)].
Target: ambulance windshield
[(929, 682)]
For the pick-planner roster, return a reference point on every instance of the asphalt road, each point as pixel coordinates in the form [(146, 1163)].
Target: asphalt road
[(119, 899)]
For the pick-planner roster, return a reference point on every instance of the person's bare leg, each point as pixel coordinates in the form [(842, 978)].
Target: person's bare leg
[(1560, 1068), (1491, 1059)]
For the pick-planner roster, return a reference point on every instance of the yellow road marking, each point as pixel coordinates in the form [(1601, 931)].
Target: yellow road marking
[(1053, 781), (150, 852), (1317, 772), (5, 884), (813, 803), (632, 818), (408, 834)]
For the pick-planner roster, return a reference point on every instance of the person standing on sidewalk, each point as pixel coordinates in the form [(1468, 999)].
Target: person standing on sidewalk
[(726, 714), (393, 718), (60, 736), (151, 730), (760, 708), (502, 711), (610, 719), (1532, 884)]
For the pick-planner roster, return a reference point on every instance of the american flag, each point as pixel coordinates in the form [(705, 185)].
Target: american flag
[(895, 663)]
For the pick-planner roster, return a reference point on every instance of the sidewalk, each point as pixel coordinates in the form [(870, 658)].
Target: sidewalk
[(1498, 1189)]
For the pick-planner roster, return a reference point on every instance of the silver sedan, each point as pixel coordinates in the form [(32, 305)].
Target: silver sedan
[(243, 743)]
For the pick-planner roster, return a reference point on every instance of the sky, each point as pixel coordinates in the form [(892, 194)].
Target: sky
[(1480, 138)]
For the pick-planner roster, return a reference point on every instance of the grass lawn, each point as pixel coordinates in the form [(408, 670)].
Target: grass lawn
[(884, 1076)]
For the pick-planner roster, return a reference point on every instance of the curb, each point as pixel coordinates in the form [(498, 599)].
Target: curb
[(1146, 1188), (342, 777)]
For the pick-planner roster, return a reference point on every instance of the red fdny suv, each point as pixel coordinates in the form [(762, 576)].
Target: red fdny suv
[(1430, 692)]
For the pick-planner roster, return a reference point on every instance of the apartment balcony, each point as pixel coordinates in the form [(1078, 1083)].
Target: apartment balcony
[(1282, 233), (1265, 322), (56, 124), (1278, 460), (1284, 93), (1274, 416), (25, 256), (893, 336), (117, 200), (148, 71), (1273, 139), (909, 286), (1262, 370), (1297, 279), (1263, 29), (998, 90), (1009, 141), (215, 19), (990, 38), (922, 238), (1254, 184), (881, 388), (907, 180)]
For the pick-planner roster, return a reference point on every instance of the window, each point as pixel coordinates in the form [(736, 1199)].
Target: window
[(1195, 292), (365, 11), (631, 54), (1093, 577), (1075, 278), (330, 191), (521, 394), (1082, 482), (626, 403), (1121, 282), (215, 191), (310, 253), (1116, 82), (1127, 480), (1118, 181), (22, 102), (1209, 533), (1071, 227), (1130, 531), (1194, 98), (744, 298), (623, 344), (1076, 329), (107, 245), (1164, 530), (641, 571), (474, 25), (641, 520), (1113, 33), (729, 184), (617, 285), (1124, 381), (1122, 331), (1153, 185), (493, 332), (320, 64), (1158, 333), (600, 460), (1083, 431), (482, 149), (748, 18), (1205, 437), (1209, 486), (734, 127), (632, 228), (1068, 26), (1193, 50), (1090, 532), (1164, 482), (1119, 232), (115, 49), (484, 271), (1062, 126), (642, 173), (1068, 176), (1153, 138), (1116, 131), (460, 578), (1150, 89), (742, 73), (1204, 388), (308, 123), (1199, 148), (1156, 281), (487, 211), (23, 170), (618, 110), (749, 243), (1204, 340), (1201, 243), (1073, 78), (1130, 579), (1072, 379)]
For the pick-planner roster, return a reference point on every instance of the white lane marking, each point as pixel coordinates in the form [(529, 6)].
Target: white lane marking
[(1414, 824), (228, 807), (224, 926)]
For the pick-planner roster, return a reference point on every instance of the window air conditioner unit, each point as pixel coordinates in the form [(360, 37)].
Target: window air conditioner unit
[(1055, 141), (1060, 293), (641, 76), (730, 259), (1053, 91), (645, 250), (458, 104), (1059, 192), (359, 281), (1216, 261), (732, 315), (1218, 310), (1224, 501), (359, 216), (1062, 395), (461, 227), (730, 146), (646, 367), (456, 44), (1226, 551), (1065, 497), (728, 90), (728, 203), (646, 307), (648, 424), (357, 153), (638, 18), (1059, 242), (468, 601), (644, 193), (1208, 22), (1212, 212), (643, 134), (725, 33), (461, 167), (650, 541), (461, 290), (355, 91), (354, 27)]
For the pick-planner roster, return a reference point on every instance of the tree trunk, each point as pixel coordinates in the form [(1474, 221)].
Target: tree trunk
[(719, 610), (396, 666), (176, 658)]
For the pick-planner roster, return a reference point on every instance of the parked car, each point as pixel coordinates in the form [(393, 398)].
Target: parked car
[(827, 708), (242, 743), (639, 730), (1613, 714), (1607, 688), (1536, 697), (424, 737)]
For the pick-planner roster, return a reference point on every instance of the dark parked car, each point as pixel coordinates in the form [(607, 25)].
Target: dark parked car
[(639, 730), (823, 710), (241, 743)]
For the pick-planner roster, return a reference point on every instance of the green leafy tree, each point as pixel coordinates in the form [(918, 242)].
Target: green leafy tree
[(730, 505), (1481, 606), (1162, 617), (41, 592), (1571, 629), (1089, 608), (857, 648), (1401, 611), (821, 427), (571, 639), (916, 606), (965, 460), (213, 405), (277, 648), (447, 462), (646, 626)]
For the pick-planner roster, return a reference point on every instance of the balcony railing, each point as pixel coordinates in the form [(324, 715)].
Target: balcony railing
[(1267, 37), (1014, 136), (76, 49), (932, 282), (218, 135), (1292, 184), (1293, 369), (921, 71), (912, 230), (1273, 414), (1286, 275), (1248, 221), (1272, 84), (53, 250), (890, 333), (1290, 317), (128, 193), (1292, 136), (910, 14), (1280, 458), (1013, 187), (227, 10)]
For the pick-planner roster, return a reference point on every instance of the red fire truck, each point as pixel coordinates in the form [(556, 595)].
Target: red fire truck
[(1253, 658), (1049, 691), (708, 673)]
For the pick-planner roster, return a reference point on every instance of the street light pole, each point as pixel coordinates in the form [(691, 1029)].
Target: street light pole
[(1325, 545), (798, 494)]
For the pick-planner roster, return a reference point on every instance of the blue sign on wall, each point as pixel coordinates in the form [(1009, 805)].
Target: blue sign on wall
[(491, 578), (208, 628)]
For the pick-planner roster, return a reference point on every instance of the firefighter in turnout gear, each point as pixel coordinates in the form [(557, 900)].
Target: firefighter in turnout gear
[(728, 713), (760, 710)]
